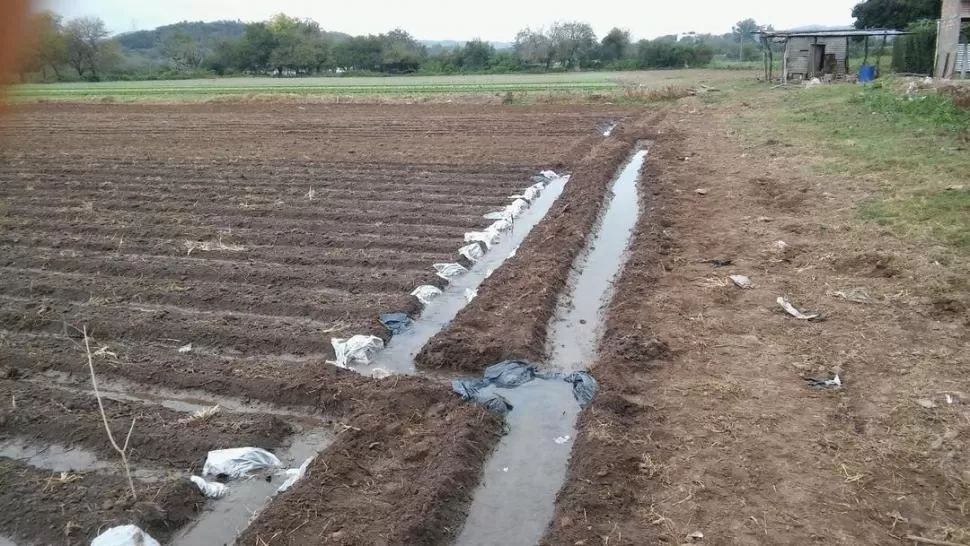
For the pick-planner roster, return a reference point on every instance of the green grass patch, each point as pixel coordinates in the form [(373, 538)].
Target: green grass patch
[(906, 151), (942, 215)]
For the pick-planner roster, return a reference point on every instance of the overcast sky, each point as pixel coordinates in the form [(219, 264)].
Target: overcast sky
[(496, 20)]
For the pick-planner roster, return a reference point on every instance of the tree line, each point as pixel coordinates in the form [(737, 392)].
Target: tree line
[(81, 48)]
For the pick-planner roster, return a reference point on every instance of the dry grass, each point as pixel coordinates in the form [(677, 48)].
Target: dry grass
[(210, 246)]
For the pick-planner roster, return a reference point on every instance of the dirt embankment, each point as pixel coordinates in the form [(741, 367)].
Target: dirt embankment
[(386, 481), (161, 436), (510, 315), (704, 424), (71, 508)]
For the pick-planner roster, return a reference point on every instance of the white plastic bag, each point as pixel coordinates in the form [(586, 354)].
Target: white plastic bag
[(357, 349), (498, 215), (124, 535), (294, 474), (238, 461), (425, 293), (489, 237), (212, 490), (450, 271), (516, 208), (473, 252), (500, 225)]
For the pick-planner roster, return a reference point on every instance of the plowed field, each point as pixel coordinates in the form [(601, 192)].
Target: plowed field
[(219, 248)]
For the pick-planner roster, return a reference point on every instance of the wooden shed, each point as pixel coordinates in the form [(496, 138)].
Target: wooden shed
[(818, 53)]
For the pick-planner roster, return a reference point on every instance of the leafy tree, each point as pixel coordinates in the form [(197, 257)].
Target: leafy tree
[(183, 51), (85, 38), (474, 55), (534, 47), (400, 52), (896, 14), (744, 32), (573, 43), (47, 45), (615, 45)]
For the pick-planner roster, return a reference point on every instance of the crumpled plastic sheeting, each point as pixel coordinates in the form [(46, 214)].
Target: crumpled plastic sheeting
[(357, 349), (550, 175), (584, 387), (450, 271), (473, 252), (425, 293), (470, 294), (489, 237), (468, 389), (124, 535), (512, 373), (396, 322), (509, 374), (293, 475), (239, 461), (211, 490)]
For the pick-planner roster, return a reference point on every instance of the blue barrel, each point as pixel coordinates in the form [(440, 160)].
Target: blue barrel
[(867, 73)]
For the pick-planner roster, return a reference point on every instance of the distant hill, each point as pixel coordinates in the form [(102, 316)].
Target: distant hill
[(455, 44), (206, 34)]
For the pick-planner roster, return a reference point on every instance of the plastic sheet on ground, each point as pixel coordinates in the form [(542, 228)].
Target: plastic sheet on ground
[(509, 374), (468, 389), (211, 490), (293, 475), (124, 535), (513, 373), (517, 208), (473, 252), (426, 293), (358, 349), (450, 271), (396, 322), (470, 294), (489, 237), (584, 387), (551, 175), (239, 461)]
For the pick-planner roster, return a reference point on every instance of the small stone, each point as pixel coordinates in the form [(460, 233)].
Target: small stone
[(701, 191), (565, 522), (582, 321), (602, 473), (928, 404), (696, 536), (106, 505)]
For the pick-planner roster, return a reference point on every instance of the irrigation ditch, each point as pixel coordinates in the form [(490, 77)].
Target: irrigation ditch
[(532, 292)]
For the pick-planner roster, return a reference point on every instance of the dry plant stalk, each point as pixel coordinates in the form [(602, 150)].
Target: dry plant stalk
[(123, 451)]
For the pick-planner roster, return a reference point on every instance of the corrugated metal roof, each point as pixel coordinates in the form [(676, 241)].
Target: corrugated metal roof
[(829, 33)]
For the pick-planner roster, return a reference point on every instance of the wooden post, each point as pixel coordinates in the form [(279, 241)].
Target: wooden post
[(784, 62), (882, 48)]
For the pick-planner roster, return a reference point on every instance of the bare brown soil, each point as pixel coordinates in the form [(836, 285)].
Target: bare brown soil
[(42, 414), (71, 508), (255, 232), (509, 317), (704, 424)]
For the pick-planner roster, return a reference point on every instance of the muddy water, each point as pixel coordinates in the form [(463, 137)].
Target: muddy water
[(577, 326), (398, 356), (516, 499), (226, 518), (58, 458)]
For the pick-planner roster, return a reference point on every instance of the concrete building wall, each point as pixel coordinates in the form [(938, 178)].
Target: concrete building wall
[(953, 14)]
